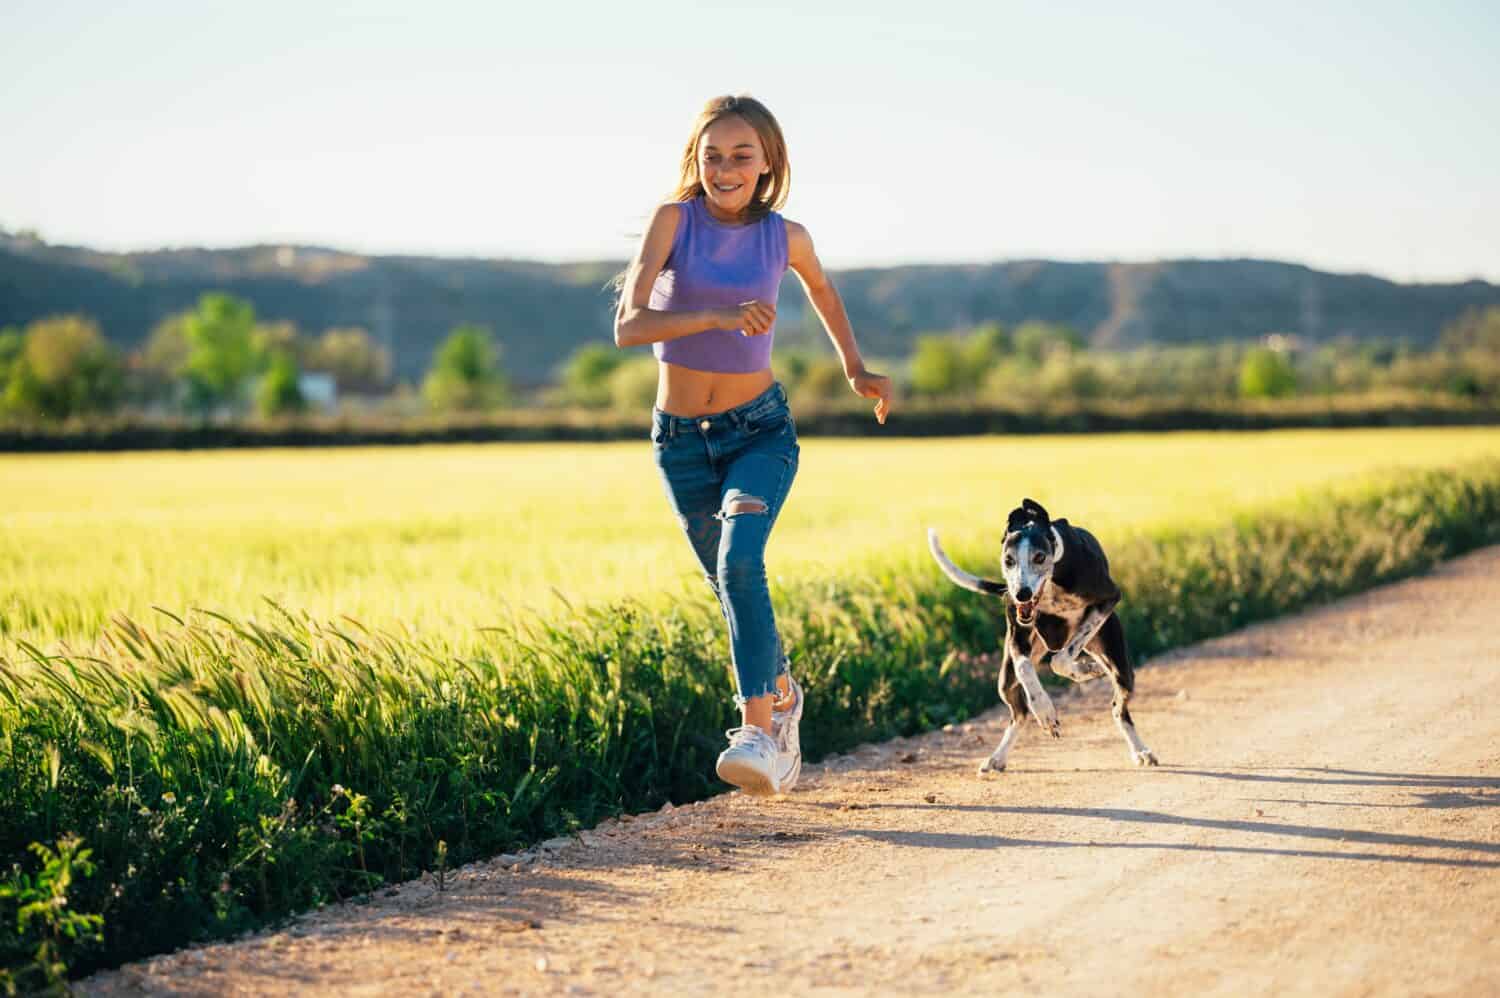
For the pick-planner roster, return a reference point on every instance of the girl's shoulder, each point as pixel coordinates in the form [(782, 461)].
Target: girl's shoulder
[(668, 213), (798, 239), (665, 224)]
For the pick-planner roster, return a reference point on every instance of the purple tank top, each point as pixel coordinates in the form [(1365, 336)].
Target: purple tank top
[(713, 264)]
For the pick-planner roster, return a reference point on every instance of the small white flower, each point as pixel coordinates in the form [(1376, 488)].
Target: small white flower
[(169, 797), (338, 788)]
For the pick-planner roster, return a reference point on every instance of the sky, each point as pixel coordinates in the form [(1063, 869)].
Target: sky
[(1354, 137)]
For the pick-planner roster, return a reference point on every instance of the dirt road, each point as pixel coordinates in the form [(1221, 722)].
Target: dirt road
[(1326, 820)]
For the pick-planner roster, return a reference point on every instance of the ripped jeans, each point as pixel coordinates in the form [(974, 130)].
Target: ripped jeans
[(726, 476)]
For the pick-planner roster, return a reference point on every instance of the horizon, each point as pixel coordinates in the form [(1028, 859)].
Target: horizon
[(622, 261), (1347, 139)]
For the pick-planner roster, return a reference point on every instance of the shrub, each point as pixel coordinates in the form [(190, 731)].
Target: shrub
[(466, 372)]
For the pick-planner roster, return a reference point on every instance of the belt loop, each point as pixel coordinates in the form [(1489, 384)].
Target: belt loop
[(736, 418)]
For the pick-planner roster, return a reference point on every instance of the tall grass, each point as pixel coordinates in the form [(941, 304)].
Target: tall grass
[(228, 769)]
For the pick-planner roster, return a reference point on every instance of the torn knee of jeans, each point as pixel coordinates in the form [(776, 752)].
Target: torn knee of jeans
[(740, 504)]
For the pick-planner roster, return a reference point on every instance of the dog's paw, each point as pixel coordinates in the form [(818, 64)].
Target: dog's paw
[(1080, 671), (1145, 757), (1046, 715), (991, 766)]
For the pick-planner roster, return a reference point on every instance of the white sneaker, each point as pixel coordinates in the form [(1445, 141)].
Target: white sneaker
[(784, 731), (750, 761)]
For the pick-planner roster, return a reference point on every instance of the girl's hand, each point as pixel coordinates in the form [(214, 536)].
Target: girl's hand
[(873, 386), (753, 318)]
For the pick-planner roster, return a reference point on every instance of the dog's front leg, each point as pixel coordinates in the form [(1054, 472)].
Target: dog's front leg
[(1065, 661), (1037, 700)]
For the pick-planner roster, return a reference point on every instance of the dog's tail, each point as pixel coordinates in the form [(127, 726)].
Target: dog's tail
[(961, 578)]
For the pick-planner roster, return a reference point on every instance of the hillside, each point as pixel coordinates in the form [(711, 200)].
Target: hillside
[(541, 312)]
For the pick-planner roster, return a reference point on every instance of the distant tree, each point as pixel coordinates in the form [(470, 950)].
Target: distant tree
[(358, 364), (937, 365), (64, 368), (1034, 340), (278, 393), (823, 381), (12, 343), (1073, 376), (161, 362), (1478, 329), (586, 374), (466, 372), (632, 385), (1267, 373), (12, 346), (985, 347), (951, 363), (270, 340), (221, 349), (792, 365)]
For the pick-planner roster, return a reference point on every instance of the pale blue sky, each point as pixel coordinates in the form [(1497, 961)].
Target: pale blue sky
[(1348, 136)]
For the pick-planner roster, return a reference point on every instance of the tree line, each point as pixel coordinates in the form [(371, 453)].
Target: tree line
[(1036, 361), (220, 361)]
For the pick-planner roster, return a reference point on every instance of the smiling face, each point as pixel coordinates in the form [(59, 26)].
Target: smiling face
[(731, 161), (1027, 558)]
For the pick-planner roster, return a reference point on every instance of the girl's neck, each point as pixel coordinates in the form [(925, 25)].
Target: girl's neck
[(719, 216)]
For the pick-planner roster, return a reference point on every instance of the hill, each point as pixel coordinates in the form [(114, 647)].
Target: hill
[(542, 312)]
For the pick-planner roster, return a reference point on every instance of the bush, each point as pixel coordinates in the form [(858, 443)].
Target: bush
[(466, 372), (221, 355), (1267, 374), (279, 393), (356, 362), (59, 368), (945, 365), (587, 372), (632, 385)]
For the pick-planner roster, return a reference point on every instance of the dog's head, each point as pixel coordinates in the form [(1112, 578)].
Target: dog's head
[(1032, 548)]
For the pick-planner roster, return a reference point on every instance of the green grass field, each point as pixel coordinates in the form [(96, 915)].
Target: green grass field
[(445, 539)]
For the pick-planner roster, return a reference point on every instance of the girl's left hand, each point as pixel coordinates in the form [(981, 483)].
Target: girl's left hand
[(873, 386)]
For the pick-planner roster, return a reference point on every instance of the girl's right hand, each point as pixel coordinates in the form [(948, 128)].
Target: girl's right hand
[(752, 318)]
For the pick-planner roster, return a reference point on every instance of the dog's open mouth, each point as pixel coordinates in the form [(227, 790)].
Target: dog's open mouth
[(1026, 611)]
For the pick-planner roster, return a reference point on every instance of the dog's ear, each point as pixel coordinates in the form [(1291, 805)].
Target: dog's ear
[(1035, 511), (1019, 517)]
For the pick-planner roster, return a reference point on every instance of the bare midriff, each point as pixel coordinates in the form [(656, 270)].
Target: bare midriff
[(682, 391)]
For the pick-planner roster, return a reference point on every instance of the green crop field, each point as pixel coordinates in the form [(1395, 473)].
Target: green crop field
[(446, 539)]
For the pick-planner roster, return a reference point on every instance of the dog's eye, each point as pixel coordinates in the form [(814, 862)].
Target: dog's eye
[(1010, 562), (1038, 558)]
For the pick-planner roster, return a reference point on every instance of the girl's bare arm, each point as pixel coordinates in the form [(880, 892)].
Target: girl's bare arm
[(825, 299)]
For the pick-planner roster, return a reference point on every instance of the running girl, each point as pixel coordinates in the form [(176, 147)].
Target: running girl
[(702, 290)]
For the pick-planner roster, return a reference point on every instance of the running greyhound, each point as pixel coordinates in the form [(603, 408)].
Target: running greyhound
[(1060, 613)]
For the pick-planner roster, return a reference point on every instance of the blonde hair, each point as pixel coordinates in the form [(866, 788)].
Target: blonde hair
[(770, 188)]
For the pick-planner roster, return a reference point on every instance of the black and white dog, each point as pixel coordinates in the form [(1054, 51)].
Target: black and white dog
[(1060, 613)]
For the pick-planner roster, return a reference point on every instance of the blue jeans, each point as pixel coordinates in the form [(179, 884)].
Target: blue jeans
[(747, 456)]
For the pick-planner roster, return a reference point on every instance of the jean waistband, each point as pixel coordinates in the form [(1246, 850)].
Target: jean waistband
[(768, 401)]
